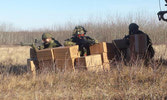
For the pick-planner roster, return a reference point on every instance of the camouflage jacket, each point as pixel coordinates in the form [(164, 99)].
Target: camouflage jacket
[(54, 43), (84, 43)]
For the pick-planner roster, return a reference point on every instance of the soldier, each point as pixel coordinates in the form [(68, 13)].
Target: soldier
[(80, 39), (48, 42), (134, 29)]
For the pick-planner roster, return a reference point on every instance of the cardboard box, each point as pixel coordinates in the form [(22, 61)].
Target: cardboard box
[(95, 68), (104, 49), (104, 57), (121, 43), (66, 52), (106, 66), (98, 48), (65, 64), (91, 62), (31, 66), (47, 64), (33, 53), (45, 54), (113, 51), (138, 45)]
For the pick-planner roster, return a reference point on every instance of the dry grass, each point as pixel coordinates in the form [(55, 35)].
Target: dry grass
[(122, 82), (14, 55), (161, 51)]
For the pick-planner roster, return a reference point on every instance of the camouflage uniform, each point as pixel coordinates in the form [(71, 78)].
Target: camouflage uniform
[(80, 39), (134, 29), (52, 44)]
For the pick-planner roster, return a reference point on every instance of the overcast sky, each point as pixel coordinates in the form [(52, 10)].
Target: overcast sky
[(27, 14)]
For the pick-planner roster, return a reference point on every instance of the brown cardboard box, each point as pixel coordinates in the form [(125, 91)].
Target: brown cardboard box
[(33, 53), (104, 49), (120, 43), (45, 54), (31, 66), (98, 48), (65, 56), (95, 68), (91, 62), (66, 52), (65, 64), (104, 57), (106, 66), (47, 64), (113, 52)]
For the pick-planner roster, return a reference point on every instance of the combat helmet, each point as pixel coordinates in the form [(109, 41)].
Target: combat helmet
[(133, 26), (46, 35), (79, 30)]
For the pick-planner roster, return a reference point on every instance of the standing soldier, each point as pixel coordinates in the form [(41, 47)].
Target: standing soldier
[(80, 39), (134, 29), (48, 42)]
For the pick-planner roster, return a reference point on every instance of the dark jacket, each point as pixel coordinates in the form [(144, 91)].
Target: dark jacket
[(150, 51)]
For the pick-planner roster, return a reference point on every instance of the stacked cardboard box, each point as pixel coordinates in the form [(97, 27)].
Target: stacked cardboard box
[(45, 58), (121, 43), (90, 63), (121, 46), (31, 66), (101, 48), (65, 57), (112, 51), (33, 54), (138, 45), (33, 59)]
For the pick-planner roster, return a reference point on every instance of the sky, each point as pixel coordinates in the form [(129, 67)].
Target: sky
[(34, 14)]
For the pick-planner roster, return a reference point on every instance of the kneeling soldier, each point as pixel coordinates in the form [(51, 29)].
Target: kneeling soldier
[(80, 39), (48, 42)]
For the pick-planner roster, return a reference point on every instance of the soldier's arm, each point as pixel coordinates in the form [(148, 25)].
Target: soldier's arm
[(91, 41), (57, 43), (149, 41), (41, 47), (34, 47), (126, 37), (69, 42), (150, 48)]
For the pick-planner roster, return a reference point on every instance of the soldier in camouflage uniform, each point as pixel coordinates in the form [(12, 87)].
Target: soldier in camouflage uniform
[(48, 42), (134, 29), (80, 39)]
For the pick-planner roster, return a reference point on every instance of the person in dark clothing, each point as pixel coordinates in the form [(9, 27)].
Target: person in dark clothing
[(134, 29)]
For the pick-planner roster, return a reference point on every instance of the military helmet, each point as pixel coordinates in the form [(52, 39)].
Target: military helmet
[(79, 30), (46, 35), (133, 26)]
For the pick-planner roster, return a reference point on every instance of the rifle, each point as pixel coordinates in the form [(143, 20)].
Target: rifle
[(36, 42), (25, 44), (85, 42)]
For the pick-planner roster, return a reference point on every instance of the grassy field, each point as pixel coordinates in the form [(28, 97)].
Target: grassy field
[(122, 82), (135, 82)]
